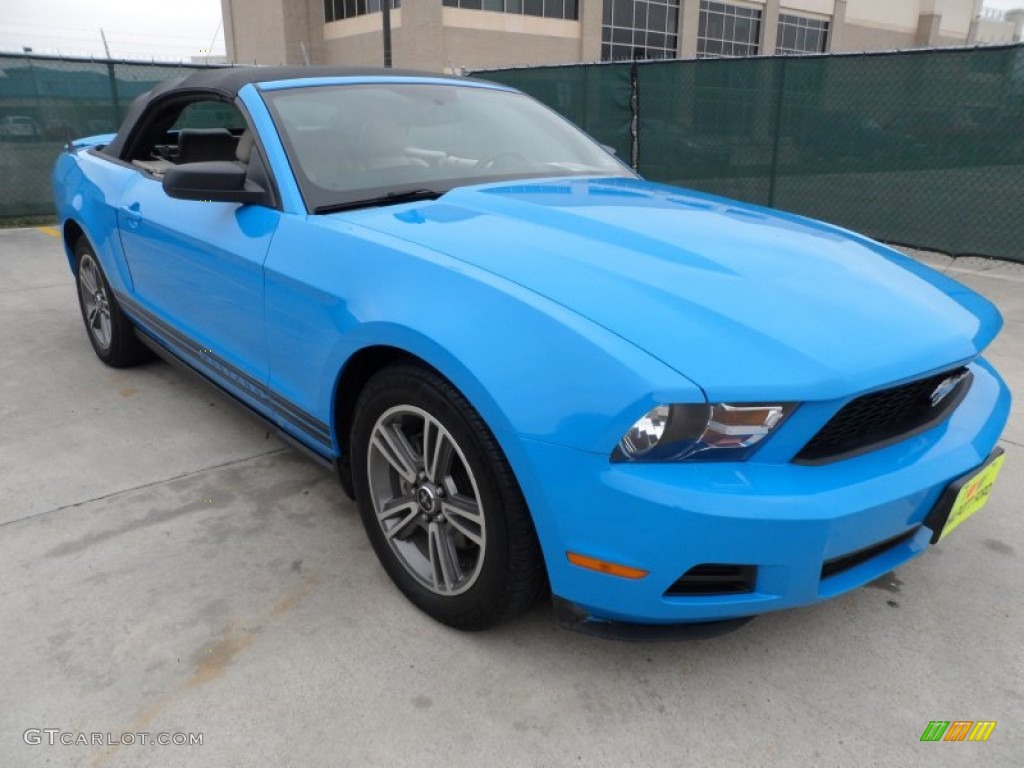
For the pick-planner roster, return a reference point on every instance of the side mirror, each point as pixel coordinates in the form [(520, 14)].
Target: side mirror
[(216, 182)]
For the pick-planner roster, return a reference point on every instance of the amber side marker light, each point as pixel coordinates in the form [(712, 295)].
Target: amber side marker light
[(603, 566)]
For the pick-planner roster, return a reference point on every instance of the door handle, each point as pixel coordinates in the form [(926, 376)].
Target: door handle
[(132, 214)]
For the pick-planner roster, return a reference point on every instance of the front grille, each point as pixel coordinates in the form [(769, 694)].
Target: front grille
[(837, 565), (714, 579), (880, 418)]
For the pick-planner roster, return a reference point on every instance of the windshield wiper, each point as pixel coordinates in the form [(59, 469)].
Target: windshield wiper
[(388, 198)]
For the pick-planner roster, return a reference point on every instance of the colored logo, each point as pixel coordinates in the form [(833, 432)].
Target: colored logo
[(972, 489), (958, 730)]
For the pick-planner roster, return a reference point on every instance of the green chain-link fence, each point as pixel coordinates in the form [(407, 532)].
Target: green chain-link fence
[(922, 148), (43, 101)]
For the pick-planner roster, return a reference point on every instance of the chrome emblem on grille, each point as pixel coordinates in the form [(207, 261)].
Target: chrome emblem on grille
[(946, 386)]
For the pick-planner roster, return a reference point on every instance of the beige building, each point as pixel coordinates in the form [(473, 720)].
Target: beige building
[(452, 35)]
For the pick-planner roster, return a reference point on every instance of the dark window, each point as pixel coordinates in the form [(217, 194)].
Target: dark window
[(728, 30), (336, 10), (640, 29), (352, 142), (550, 9), (799, 34)]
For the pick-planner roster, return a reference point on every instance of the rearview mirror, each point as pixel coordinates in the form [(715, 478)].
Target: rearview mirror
[(217, 181)]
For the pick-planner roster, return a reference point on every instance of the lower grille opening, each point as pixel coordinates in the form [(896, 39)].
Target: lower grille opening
[(838, 565), (715, 579)]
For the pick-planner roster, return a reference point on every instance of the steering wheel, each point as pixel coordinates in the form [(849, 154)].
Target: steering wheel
[(162, 152), (495, 161)]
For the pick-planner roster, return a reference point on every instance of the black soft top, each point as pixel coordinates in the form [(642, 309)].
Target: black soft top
[(226, 82)]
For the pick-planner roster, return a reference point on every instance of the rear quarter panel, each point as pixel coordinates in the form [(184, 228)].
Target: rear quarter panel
[(87, 189)]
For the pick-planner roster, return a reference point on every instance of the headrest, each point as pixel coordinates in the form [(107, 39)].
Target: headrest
[(244, 148), (198, 145)]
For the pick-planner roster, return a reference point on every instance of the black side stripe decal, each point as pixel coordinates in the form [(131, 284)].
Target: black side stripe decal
[(293, 413), (205, 358)]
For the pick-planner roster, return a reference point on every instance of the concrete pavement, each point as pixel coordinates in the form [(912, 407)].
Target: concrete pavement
[(165, 566)]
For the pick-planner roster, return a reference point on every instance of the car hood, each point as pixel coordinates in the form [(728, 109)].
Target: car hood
[(748, 303)]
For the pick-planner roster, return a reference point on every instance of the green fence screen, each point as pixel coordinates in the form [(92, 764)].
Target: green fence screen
[(43, 101), (922, 148), (595, 98)]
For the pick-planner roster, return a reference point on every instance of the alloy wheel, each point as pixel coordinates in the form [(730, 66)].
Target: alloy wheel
[(426, 500), (95, 301)]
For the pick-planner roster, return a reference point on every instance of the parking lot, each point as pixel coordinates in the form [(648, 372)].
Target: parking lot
[(168, 567)]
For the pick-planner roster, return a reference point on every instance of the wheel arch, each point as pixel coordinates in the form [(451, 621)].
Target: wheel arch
[(360, 367), (72, 232), (351, 379)]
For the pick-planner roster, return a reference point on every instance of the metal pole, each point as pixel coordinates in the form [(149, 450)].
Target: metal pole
[(115, 100), (634, 117), (385, 9), (780, 98), (214, 40), (106, 47)]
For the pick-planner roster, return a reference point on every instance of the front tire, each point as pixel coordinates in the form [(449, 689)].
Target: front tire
[(439, 502), (110, 332)]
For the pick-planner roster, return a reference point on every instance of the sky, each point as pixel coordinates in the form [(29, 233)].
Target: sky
[(167, 30)]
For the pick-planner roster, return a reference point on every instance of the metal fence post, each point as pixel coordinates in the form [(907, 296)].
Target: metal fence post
[(114, 97), (634, 118), (35, 89), (780, 95)]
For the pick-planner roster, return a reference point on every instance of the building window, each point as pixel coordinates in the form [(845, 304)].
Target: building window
[(799, 34), (550, 9), (336, 10), (728, 30), (640, 29)]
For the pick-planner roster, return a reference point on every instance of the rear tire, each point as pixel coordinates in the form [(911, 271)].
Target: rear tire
[(440, 503), (110, 332)]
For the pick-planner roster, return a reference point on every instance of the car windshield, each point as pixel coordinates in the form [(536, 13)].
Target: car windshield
[(368, 144)]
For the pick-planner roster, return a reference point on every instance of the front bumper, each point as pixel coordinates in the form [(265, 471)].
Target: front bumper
[(788, 520)]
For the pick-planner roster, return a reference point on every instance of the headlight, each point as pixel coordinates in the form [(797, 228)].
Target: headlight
[(715, 431)]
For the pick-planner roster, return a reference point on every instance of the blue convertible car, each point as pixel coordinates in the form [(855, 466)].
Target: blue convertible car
[(529, 366)]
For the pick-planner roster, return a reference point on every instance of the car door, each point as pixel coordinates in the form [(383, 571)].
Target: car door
[(197, 272)]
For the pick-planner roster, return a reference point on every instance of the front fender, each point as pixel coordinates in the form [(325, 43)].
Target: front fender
[(530, 367)]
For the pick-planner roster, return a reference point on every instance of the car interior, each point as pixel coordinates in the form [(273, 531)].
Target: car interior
[(197, 145), (202, 131), (192, 132)]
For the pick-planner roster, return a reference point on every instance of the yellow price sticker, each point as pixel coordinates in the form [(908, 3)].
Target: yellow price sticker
[(972, 496)]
